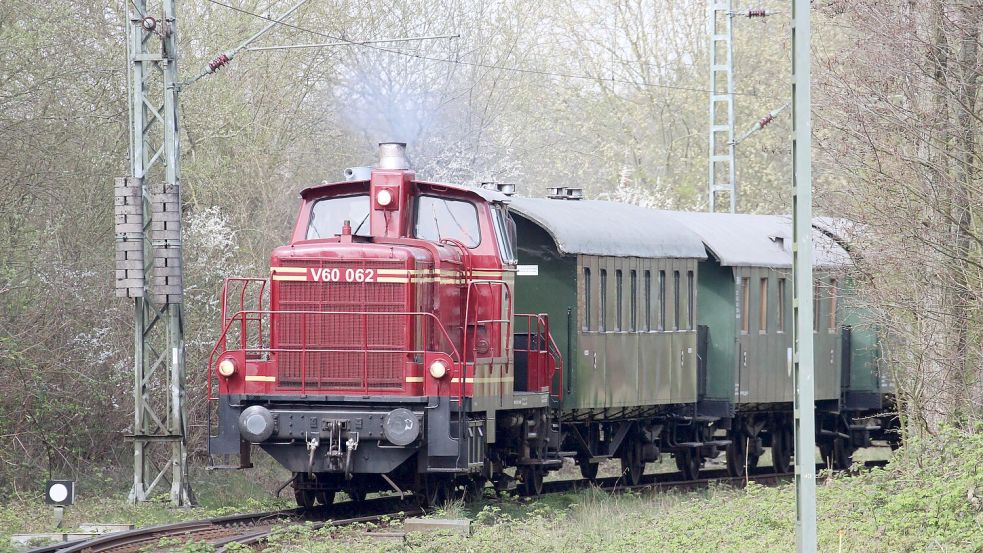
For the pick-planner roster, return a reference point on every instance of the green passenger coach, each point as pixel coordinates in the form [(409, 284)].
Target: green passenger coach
[(676, 330), (619, 283)]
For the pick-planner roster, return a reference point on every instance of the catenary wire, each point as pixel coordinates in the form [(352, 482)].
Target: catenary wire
[(512, 69)]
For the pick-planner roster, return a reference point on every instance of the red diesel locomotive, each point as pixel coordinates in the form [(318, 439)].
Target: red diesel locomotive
[(383, 353)]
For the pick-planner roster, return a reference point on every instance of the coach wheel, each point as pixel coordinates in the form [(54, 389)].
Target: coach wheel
[(781, 450), (532, 480), (838, 454), (324, 497), (688, 462), (736, 455), (587, 469), (843, 453), (632, 465)]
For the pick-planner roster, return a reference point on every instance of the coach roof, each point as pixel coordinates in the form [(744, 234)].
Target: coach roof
[(758, 240), (607, 228)]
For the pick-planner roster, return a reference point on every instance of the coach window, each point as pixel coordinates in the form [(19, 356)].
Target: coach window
[(763, 307), (816, 306), (662, 300), (633, 305), (745, 305), (602, 323), (648, 301), (619, 306), (832, 305), (440, 218), (587, 310), (781, 305), (675, 300), (690, 299), (329, 215)]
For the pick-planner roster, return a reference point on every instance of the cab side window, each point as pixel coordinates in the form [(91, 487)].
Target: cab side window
[(505, 235)]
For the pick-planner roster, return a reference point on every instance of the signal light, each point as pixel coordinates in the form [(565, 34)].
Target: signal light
[(227, 368), (59, 492)]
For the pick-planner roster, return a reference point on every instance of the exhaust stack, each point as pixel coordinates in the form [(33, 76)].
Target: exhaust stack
[(391, 186), (392, 155)]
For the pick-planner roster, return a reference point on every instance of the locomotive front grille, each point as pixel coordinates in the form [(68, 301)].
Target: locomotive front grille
[(367, 352)]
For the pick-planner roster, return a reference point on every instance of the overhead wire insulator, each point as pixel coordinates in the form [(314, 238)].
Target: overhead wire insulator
[(218, 62), (754, 12), (762, 123)]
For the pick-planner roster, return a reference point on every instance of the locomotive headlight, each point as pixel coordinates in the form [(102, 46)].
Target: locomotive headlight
[(384, 197), (227, 368), (438, 369)]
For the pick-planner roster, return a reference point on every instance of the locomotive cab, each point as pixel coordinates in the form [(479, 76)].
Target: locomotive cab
[(379, 352)]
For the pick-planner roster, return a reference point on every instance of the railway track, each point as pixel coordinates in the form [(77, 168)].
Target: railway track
[(248, 529), (674, 480), (254, 528)]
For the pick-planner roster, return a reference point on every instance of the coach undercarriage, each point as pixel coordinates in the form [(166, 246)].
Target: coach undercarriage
[(839, 434), (641, 436)]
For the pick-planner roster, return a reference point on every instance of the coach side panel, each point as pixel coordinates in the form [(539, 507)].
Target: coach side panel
[(637, 332)]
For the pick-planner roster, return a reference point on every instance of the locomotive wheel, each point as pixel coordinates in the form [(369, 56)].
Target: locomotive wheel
[(781, 450), (324, 497), (532, 480), (688, 462), (304, 498), (474, 489), (436, 491), (587, 469), (632, 465), (357, 494)]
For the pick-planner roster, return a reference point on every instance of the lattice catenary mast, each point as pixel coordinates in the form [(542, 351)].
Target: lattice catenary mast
[(722, 177), (148, 253), (722, 166)]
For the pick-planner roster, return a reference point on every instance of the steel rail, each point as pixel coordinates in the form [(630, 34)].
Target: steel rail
[(260, 536), (124, 541), (673, 480)]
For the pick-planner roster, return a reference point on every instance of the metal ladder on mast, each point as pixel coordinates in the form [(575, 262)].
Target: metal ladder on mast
[(722, 177)]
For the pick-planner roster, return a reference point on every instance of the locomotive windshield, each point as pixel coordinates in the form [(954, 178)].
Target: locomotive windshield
[(328, 216), (440, 218)]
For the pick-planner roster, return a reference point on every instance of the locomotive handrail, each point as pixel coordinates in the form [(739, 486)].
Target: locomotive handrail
[(543, 329), (473, 284), (245, 282), (466, 253), (259, 313)]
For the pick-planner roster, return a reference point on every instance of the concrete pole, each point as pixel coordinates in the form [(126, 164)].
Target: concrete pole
[(802, 299)]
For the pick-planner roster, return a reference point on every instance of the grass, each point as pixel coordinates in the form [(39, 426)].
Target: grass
[(929, 498), (101, 498)]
